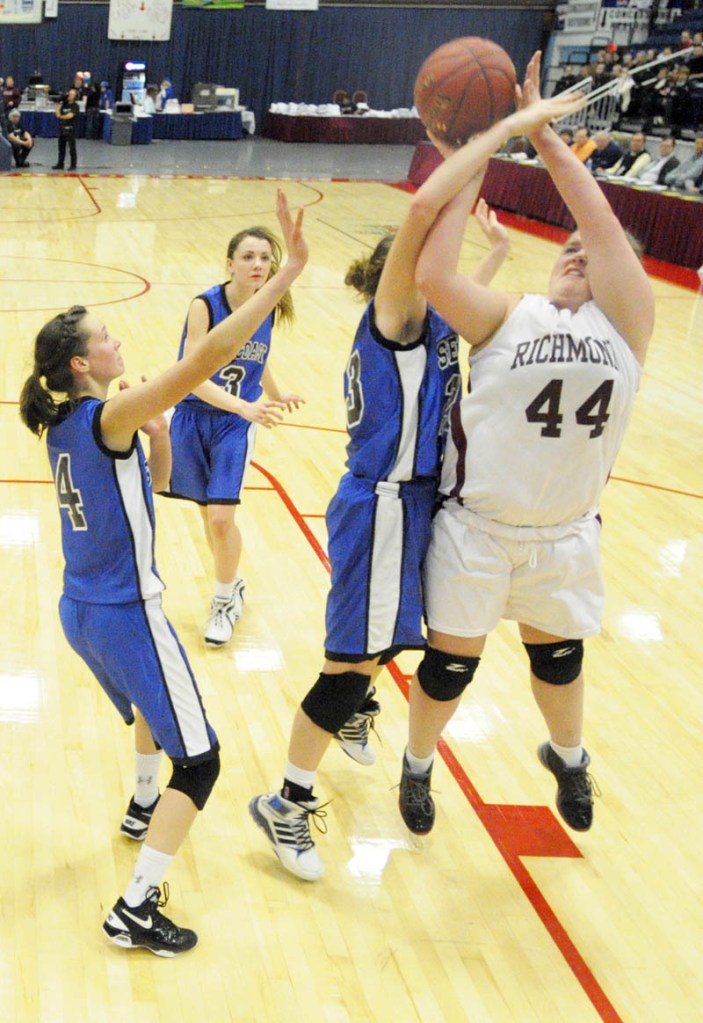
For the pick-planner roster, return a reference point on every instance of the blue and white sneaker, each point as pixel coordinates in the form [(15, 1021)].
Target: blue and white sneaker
[(287, 828)]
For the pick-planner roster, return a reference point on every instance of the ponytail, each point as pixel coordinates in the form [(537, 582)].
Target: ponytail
[(364, 274), (55, 345)]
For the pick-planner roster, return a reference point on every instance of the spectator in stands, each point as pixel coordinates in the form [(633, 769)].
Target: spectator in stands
[(583, 145), (567, 136), (655, 172), (11, 94), (690, 170), (626, 84), (606, 153), (19, 138), (695, 65), (601, 75), (685, 40), (679, 111), (568, 79), (633, 162)]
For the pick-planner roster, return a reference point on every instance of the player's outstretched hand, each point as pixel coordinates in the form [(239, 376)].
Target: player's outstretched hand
[(487, 220), (292, 401), (265, 413), (292, 231)]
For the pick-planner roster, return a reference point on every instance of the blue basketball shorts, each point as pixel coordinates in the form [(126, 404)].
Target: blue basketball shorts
[(378, 534), (211, 454), (133, 651)]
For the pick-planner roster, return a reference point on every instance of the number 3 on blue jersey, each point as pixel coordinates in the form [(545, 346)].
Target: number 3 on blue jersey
[(69, 497), (355, 395)]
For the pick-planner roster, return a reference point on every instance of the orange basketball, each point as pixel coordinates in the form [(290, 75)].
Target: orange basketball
[(464, 87)]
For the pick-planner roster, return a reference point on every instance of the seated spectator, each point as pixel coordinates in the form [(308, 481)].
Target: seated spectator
[(567, 136), (695, 65), (679, 111), (10, 94), (626, 84), (600, 74), (568, 79), (583, 145), (606, 153), (633, 162), (19, 138), (655, 172), (690, 170), (655, 96), (361, 102)]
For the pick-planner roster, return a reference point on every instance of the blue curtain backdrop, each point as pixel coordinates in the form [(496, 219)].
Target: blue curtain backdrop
[(271, 56)]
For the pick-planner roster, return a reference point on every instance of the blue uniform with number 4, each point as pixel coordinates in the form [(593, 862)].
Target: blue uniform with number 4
[(111, 604), (398, 402)]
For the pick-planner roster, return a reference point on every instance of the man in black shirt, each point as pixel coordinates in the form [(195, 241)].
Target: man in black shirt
[(67, 113)]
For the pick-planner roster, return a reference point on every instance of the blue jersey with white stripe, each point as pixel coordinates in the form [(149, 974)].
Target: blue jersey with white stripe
[(242, 376), (107, 511), (398, 400)]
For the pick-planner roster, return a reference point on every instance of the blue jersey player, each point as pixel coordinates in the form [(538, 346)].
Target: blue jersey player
[(111, 604), (213, 429), (401, 382)]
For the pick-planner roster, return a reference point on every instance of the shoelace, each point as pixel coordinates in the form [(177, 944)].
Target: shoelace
[(417, 793), (300, 827), (583, 786), (153, 895)]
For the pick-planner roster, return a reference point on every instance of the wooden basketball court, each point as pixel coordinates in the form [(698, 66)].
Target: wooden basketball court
[(499, 916)]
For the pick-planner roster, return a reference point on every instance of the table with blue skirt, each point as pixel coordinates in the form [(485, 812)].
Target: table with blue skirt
[(206, 126), (44, 124)]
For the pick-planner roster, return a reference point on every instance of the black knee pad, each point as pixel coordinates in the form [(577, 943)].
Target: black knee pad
[(334, 698), (196, 780), (556, 663), (445, 676)]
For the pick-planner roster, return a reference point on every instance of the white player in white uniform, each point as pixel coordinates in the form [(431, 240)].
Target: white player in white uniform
[(551, 388)]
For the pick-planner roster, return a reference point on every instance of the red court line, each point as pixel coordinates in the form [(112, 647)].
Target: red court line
[(516, 831)]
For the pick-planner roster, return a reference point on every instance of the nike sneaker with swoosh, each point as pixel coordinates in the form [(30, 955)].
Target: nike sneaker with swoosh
[(137, 819), (145, 927)]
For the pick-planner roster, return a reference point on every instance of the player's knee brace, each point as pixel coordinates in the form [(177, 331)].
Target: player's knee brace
[(445, 676), (196, 780), (334, 698), (556, 663)]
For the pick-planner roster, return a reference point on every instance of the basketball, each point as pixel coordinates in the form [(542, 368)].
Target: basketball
[(464, 87)]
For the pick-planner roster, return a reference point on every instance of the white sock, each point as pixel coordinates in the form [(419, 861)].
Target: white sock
[(306, 779), (146, 786), (148, 873), (223, 591), (418, 765), (571, 755)]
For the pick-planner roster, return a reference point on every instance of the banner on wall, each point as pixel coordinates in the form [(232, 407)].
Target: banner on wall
[(18, 12), (140, 20), (214, 5), (292, 5)]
